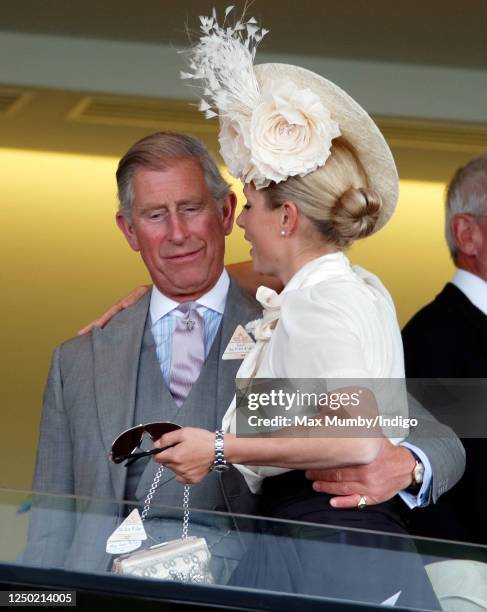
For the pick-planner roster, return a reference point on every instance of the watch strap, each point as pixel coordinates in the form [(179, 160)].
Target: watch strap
[(219, 463)]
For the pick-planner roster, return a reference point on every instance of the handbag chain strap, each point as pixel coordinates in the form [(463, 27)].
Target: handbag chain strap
[(150, 495)]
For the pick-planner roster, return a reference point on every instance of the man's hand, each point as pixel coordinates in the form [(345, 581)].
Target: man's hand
[(191, 453), (379, 481), (128, 300)]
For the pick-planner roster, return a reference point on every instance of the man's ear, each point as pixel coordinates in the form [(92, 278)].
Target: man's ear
[(128, 231), (466, 233), (228, 212)]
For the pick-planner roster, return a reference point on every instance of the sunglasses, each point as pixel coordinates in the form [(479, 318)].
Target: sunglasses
[(125, 445)]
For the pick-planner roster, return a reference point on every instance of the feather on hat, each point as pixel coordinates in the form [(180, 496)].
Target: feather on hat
[(279, 120)]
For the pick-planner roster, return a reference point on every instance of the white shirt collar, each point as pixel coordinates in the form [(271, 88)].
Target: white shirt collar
[(215, 299), (474, 288)]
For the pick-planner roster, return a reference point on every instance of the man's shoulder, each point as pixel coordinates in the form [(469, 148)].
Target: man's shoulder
[(441, 340), (446, 313), (116, 328), (241, 303), (73, 356)]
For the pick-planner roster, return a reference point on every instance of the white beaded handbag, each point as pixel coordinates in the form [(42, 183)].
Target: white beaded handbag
[(186, 559)]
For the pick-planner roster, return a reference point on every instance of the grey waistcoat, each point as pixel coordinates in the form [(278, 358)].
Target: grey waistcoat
[(154, 402)]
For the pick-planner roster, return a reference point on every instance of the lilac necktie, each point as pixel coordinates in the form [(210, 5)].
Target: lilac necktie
[(188, 351)]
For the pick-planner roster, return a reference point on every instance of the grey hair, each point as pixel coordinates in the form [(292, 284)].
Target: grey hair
[(161, 151), (467, 194)]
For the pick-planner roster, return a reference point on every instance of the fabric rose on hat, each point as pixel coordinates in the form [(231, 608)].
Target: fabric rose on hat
[(290, 134), (234, 147)]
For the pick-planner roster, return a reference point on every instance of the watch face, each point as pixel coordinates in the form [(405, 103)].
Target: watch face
[(419, 472)]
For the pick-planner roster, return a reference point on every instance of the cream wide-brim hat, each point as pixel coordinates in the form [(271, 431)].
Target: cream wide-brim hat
[(356, 126)]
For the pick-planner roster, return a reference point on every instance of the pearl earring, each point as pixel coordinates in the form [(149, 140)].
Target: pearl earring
[(283, 232)]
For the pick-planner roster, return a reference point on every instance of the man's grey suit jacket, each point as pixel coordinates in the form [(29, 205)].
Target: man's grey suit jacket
[(89, 399)]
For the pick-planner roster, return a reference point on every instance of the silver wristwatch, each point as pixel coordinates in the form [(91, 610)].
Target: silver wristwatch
[(219, 464), (417, 476), (418, 473)]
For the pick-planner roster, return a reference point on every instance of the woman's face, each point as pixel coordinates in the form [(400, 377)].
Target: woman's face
[(262, 230)]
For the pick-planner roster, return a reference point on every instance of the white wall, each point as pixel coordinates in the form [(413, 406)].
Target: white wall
[(152, 70)]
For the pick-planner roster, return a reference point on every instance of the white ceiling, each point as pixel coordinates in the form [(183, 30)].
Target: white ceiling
[(435, 32)]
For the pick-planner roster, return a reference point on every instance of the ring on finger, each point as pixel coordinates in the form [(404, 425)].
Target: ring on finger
[(362, 502)]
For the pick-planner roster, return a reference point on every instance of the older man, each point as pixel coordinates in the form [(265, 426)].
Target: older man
[(161, 359), (175, 209), (448, 339)]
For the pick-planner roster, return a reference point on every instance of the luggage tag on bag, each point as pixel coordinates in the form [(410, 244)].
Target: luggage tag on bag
[(128, 536), (240, 344)]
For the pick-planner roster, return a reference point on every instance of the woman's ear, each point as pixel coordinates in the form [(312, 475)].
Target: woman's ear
[(289, 217)]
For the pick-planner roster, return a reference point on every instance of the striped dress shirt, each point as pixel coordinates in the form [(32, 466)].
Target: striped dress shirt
[(211, 306)]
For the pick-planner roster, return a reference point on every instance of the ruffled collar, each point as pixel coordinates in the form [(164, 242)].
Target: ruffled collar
[(313, 272), (270, 300)]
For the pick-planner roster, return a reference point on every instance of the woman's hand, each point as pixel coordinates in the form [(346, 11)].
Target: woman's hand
[(191, 454), (128, 300)]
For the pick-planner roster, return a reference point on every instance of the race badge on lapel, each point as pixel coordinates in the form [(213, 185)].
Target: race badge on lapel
[(240, 344)]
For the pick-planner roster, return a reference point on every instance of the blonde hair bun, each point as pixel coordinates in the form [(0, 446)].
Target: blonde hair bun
[(356, 213)]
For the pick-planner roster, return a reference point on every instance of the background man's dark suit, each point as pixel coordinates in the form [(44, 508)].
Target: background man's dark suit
[(448, 339)]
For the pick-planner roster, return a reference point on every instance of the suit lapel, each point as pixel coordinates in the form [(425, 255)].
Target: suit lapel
[(239, 310), (116, 351)]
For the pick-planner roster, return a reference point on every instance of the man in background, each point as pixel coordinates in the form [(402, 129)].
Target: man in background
[(447, 339)]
